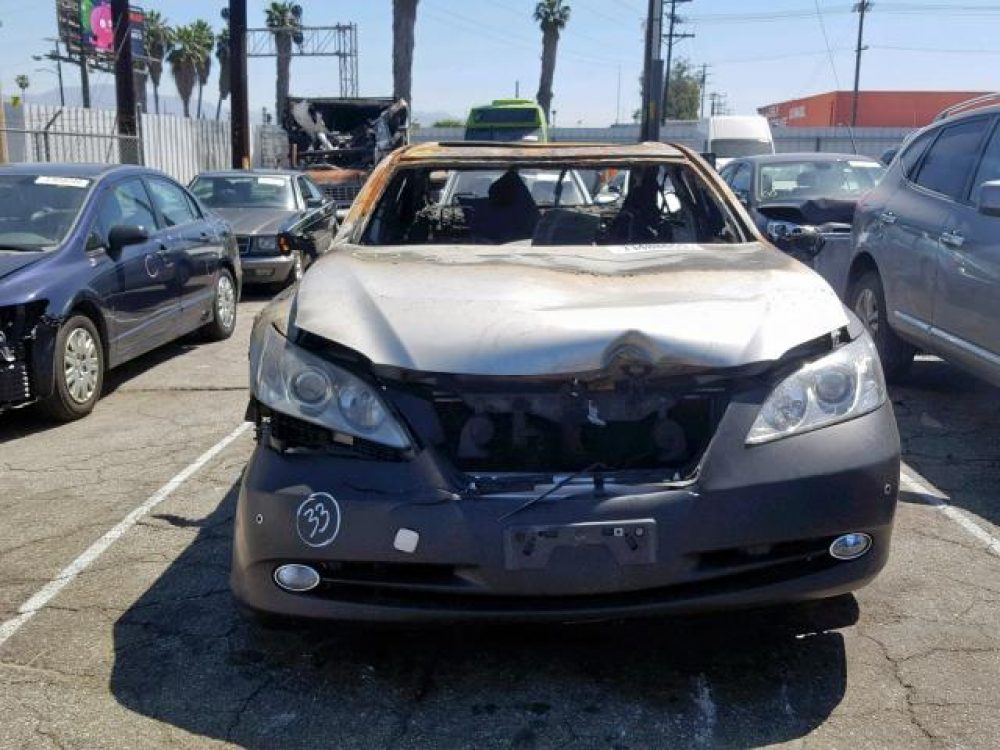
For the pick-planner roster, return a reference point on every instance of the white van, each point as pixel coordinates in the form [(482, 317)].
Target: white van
[(732, 136)]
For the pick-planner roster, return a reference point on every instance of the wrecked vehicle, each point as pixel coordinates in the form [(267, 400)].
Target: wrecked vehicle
[(503, 410), (281, 220), (338, 141), (804, 203), (99, 264)]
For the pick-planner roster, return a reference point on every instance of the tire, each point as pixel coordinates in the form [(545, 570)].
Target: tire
[(78, 364), (867, 300), (223, 308)]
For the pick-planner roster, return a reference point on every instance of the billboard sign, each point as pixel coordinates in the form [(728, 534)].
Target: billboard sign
[(87, 28)]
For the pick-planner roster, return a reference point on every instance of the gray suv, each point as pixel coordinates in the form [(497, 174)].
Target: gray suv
[(925, 263)]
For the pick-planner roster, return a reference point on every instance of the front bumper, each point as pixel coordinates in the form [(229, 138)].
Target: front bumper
[(752, 530), (267, 269)]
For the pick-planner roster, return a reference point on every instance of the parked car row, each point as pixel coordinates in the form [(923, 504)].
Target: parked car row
[(100, 264)]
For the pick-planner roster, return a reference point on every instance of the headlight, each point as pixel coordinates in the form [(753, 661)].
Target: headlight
[(296, 382), (842, 385), (266, 244)]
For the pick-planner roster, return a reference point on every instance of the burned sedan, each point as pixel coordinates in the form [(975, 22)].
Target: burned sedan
[(495, 409), (804, 203)]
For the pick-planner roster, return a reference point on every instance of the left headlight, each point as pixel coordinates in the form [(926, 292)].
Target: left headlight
[(296, 382), (840, 386), (266, 244)]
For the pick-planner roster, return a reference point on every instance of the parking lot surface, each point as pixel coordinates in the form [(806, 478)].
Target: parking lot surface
[(116, 535)]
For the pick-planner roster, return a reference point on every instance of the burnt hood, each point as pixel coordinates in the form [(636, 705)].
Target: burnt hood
[(255, 221), (814, 212), (528, 311)]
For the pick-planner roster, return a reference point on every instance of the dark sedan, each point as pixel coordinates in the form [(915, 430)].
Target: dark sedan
[(99, 264), (804, 203), (281, 219)]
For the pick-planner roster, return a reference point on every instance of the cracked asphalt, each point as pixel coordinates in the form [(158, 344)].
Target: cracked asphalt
[(145, 649)]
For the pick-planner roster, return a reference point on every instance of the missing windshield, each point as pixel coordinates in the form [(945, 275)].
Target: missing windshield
[(556, 205)]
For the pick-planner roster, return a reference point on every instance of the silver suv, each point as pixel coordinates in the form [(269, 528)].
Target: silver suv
[(925, 265)]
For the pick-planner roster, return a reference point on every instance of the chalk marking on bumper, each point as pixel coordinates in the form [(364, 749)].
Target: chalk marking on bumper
[(913, 482), (66, 576)]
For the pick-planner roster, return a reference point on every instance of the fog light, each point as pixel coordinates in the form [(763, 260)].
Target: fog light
[(850, 546), (296, 578)]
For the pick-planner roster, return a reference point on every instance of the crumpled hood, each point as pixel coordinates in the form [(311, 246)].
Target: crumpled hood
[(524, 311), (255, 221), (11, 262)]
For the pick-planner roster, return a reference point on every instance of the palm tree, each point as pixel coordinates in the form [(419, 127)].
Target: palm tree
[(552, 16), (404, 20), (206, 41), (159, 39), (22, 83), (185, 58), (222, 55), (285, 22)]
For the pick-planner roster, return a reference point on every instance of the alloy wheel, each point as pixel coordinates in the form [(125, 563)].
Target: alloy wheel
[(225, 301), (81, 365), (866, 308)]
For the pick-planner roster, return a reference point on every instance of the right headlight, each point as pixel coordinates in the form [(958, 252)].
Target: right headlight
[(840, 386), (289, 379)]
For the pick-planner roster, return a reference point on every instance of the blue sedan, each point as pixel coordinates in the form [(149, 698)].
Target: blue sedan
[(98, 265)]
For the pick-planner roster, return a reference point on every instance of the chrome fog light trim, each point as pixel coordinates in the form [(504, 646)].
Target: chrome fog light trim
[(296, 578), (850, 546)]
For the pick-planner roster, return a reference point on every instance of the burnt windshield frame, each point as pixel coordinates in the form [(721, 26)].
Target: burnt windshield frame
[(706, 205)]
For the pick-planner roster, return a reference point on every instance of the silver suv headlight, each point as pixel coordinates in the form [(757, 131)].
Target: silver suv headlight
[(296, 382), (840, 386)]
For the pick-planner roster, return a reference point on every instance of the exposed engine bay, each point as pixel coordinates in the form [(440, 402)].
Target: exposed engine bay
[(18, 325)]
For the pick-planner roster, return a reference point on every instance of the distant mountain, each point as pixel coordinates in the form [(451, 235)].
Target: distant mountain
[(102, 96), (427, 119)]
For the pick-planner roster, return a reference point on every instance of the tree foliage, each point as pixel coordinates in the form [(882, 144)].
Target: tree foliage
[(684, 97), (186, 58), (158, 37)]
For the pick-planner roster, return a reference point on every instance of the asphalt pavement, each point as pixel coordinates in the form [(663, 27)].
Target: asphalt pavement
[(116, 532)]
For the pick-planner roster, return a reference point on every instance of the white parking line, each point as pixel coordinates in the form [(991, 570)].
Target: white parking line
[(913, 482), (44, 595)]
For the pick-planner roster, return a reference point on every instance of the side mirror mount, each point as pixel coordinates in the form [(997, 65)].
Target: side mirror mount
[(95, 242), (122, 235), (315, 202), (988, 202), (606, 199)]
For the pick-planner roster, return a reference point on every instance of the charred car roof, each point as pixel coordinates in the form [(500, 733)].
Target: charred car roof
[(526, 152)]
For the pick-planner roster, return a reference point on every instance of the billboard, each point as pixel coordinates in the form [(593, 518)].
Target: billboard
[(86, 27)]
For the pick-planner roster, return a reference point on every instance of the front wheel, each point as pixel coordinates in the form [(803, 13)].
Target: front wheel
[(223, 307), (867, 300), (78, 370)]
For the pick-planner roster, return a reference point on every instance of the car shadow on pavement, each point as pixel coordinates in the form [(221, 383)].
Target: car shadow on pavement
[(949, 426), (185, 657)]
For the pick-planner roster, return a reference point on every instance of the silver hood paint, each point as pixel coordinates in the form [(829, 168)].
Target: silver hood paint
[(530, 311), (255, 221)]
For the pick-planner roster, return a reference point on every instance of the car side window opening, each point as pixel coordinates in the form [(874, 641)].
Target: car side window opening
[(664, 203), (741, 180), (309, 190), (913, 151), (951, 160), (172, 202), (126, 204), (989, 167)]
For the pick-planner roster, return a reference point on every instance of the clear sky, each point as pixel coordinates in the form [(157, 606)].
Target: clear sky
[(471, 51)]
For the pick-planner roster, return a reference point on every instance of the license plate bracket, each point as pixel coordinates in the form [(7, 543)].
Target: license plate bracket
[(631, 542)]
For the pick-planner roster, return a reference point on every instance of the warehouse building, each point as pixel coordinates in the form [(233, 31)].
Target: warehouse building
[(876, 109)]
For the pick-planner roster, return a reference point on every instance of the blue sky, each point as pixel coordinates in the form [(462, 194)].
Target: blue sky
[(471, 51)]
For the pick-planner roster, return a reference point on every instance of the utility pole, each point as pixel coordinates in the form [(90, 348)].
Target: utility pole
[(239, 118), (127, 118), (671, 38), (652, 72), (704, 84), (56, 55), (618, 98), (860, 8)]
